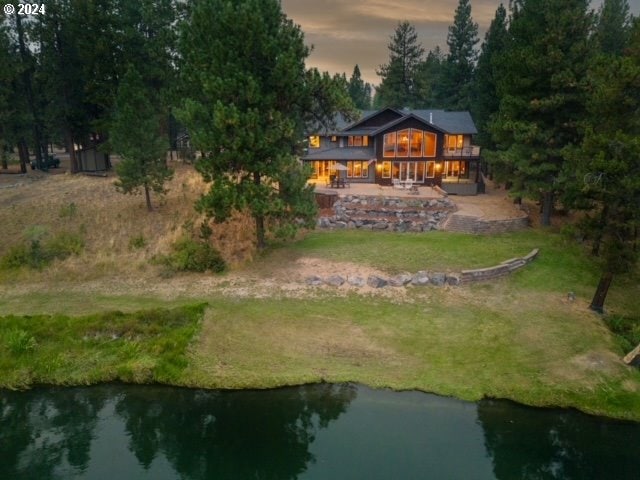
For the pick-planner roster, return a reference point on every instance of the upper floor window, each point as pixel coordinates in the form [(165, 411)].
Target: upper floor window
[(409, 143), (389, 149), (429, 144), (455, 142), (402, 148), (358, 141), (314, 141)]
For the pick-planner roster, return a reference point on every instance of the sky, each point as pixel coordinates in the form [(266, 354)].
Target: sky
[(344, 33)]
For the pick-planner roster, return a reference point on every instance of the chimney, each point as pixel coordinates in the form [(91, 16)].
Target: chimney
[(430, 117)]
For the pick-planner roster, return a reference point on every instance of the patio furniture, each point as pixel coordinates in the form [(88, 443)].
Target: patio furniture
[(396, 183)]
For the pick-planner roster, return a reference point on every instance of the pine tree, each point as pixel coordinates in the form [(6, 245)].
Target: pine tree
[(457, 79), (429, 79), (359, 91), (136, 137), (247, 99), (485, 87), (613, 26), (606, 166), (397, 88), (541, 95)]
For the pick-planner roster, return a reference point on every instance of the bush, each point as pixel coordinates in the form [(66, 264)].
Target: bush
[(38, 254), (192, 256), (20, 341), (137, 242), (626, 329)]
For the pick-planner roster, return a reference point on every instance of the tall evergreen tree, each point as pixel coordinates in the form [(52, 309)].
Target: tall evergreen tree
[(245, 107), (485, 86), (607, 165), (613, 26), (359, 90), (137, 138), (397, 88), (457, 80), (542, 99), (429, 79)]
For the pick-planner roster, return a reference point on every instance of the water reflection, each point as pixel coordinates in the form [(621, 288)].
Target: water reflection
[(313, 432), (528, 443), (47, 434)]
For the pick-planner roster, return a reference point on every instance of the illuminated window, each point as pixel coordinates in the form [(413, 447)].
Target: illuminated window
[(389, 147), (431, 169), (455, 142), (314, 141), (386, 169), (416, 143), (358, 141), (403, 143), (358, 169), (429, 144)]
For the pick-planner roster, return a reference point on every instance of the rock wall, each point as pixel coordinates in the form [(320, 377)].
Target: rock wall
[(388, 213), (424, 278), (470, 224)]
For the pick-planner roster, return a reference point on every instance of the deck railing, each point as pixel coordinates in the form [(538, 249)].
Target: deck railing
[(469, 151)]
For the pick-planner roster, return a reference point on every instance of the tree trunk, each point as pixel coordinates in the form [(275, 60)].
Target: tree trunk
[(23, 154), (547, 207), (73, 161), (259, 219), (597, 304), (147, 196)]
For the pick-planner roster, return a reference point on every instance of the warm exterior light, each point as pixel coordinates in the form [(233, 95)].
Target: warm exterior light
[(438, 167)]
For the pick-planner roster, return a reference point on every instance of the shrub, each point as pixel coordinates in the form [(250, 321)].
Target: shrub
[(192, 256), (626, 329), (20, 341), (137, 242), (38, 254)]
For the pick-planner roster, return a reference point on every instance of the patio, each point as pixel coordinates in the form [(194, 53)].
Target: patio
[(374, 190)]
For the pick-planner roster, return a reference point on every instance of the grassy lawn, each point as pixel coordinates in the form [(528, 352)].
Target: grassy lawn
[(517, 337)]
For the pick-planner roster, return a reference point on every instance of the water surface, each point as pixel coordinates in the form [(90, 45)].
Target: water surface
[(310, 432)]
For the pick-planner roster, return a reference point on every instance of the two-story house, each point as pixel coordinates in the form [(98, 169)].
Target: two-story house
[(429, 147)]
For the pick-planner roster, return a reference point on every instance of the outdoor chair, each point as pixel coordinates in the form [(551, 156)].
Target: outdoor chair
[(396, 183)]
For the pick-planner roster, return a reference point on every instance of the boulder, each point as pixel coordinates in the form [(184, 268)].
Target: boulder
[(453, 279), (356, 281), (376, 282), (314, 280), (334, 280), (400, 280), (421, 278), (438, 279)]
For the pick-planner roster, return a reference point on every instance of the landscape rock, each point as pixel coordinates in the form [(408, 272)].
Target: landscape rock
[(438, 279), (314, 280), (376, 282), (633, 357), (453, 279), (400, 280), (421, 278), (335, 281), (356, 281)]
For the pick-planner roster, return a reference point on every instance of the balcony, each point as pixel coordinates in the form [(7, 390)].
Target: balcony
[(469, 151)]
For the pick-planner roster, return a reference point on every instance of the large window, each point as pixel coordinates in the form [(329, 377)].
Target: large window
[(431, 169), (416, 143), (409, 143), (429, 144), (358, 141), (402, 149), (358, 169), (390, 145)]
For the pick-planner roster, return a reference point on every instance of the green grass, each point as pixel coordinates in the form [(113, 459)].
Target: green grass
[(144, 346), (517, 337)]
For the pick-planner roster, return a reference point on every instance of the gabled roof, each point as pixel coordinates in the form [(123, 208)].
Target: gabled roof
[(446, 122)]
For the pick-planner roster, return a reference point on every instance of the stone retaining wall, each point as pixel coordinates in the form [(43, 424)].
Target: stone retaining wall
[(397, 214), (424, 278), (471, 224)]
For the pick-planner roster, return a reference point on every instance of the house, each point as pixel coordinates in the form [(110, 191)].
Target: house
[(428, 147)]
